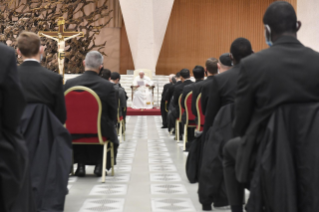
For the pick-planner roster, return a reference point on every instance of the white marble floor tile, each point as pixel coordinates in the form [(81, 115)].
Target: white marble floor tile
[(73, 179), (165, 177), (124, 160), (109, 189), (162, 168), (158, 154), (168, 189), (122, 168), (157, 149), (174, 204), (160, 160), (103, 205)]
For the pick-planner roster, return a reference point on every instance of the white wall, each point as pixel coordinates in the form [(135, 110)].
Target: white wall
[(146, 22), (307, 13)]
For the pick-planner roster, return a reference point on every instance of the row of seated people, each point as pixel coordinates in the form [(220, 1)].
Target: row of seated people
[(42, 118), (260, 130)]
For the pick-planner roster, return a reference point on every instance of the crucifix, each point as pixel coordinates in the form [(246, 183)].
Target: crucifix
[(60, 36)]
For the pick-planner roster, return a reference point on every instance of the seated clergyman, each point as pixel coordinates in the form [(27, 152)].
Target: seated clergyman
[(142, 98)]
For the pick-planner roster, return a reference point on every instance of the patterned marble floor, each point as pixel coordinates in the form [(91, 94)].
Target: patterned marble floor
[(150, 176)]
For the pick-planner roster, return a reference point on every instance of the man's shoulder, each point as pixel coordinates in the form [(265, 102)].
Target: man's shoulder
[(6, 49)]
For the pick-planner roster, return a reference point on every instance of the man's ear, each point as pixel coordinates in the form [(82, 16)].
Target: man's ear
[(41, 49), (218, 66), (298, 26), (84, 63), (19, 52)]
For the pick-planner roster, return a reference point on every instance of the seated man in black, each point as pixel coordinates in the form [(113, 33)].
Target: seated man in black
[(222, 92), (40, 85), (92, 155), (115, 79), (185, 79), (259, 93), (164, 104), (198, 73)]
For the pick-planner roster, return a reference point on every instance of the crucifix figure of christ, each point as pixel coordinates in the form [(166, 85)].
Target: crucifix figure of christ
[(61, 36)]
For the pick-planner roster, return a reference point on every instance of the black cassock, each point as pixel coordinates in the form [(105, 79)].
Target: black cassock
[(211, 186), (50, 154), (287, 175), (15, 186)]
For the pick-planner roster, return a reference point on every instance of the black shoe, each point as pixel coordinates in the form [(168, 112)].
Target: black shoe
[(80, 171), (98, 170), (164, 127)]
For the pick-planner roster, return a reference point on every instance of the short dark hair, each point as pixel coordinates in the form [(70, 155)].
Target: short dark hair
[(185, 73), (211, 65), (199, 72), (281, 17), (240, 48), (178, 75), (106, 74), (29, 44), (115, 76)]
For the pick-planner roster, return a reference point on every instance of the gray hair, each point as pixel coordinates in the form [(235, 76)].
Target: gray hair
[(93, 60)]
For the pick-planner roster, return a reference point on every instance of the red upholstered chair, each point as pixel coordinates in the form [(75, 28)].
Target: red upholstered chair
[(190, 118), (120, 120), (179, 119), (84, 109), (200, 115)]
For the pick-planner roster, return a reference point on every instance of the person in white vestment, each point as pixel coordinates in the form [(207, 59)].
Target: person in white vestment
[(142, 98)]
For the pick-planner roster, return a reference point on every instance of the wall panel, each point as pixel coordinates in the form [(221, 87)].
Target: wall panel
[(201, 29)]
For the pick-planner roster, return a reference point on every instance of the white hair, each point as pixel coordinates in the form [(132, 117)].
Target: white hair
[(93, 60), (171, 76)]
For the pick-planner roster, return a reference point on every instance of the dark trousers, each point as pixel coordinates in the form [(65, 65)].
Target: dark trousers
[(235, 190), (88, 154)]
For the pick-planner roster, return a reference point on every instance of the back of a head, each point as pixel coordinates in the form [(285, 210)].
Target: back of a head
[(211, 65), (225, 60), (185, 73), (281, 17), (199, 72), (93, 60), (178, 75), (29, 44), (240, 48), (115, 76), (106, 74)]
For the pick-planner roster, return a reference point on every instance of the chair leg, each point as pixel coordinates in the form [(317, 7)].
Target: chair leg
[(104, 162), (72, 163), (185, 136), (112, 158), (177, 131), (120, 131), (124, 129)]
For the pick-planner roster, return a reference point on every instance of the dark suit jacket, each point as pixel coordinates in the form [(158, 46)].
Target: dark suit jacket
[(43, 86), (170, 92), (187, 88), (197, 89), (205, 92), (288, 72), (222, 92), (178, 91), (105, 90), (166, 88)]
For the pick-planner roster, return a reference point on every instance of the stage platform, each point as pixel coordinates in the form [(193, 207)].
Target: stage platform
[(143, 112)]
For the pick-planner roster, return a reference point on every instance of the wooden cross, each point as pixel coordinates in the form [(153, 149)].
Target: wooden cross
[(61, 23)]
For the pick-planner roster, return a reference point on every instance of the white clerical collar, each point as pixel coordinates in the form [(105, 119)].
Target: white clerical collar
[(30, 59)]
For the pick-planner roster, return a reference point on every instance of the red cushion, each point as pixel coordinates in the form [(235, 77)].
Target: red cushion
[(188, 100), (93, 140), (82, 112), (121, 118), (202, 116)]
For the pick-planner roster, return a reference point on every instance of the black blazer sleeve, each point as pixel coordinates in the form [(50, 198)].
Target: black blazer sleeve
[(112, 104), (59, 107), (13, 101), (205, 97), (213, 104), (243, 103), (176, 96), (184, 94)]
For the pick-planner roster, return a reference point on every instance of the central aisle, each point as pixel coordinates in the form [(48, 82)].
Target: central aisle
[(149, 175)]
